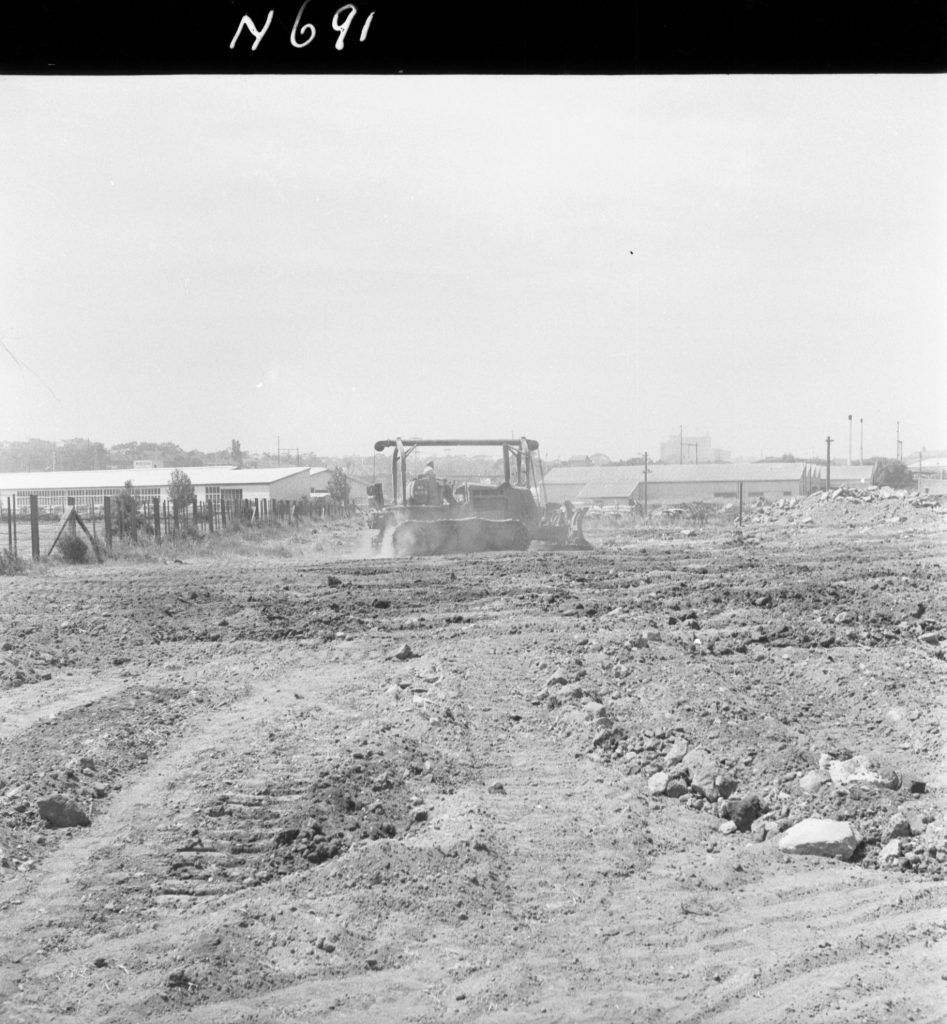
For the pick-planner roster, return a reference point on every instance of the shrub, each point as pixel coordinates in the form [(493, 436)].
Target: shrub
[(892, 473), (11, 564), (339, 487), (73, 550), (180, 488)]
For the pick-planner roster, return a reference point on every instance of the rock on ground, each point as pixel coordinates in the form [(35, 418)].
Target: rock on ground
[(863, 771), (743, 811), (821, 837), (814, 780), (61, 812), (658, 783)]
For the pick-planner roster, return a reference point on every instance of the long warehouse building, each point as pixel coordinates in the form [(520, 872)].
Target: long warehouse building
[(211, 484)]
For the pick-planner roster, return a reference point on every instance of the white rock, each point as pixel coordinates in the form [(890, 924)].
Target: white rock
[(863, 772), (821, 837), (812, 781), (658, 783), (703, 771), (593, 709), (891, 851), (677, 751)]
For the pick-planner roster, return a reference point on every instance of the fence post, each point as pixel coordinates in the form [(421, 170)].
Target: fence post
[(256, 509), (209, 512), (34, 526), (176, 516), (71, 528), (156, 516), (9, 526), (107, 513), (134, 524), (194, 511)]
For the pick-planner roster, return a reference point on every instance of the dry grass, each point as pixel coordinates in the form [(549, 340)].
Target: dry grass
[(266, 540)]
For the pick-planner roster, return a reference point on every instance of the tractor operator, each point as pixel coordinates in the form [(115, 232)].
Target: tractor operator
[(425, 489)]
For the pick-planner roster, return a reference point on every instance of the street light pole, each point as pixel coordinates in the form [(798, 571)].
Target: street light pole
[(828, 464), (646, 485)]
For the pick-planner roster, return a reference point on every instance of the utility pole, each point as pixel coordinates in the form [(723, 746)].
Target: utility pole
[(861, 441), (828, 464), (849, 438), (646, 485)]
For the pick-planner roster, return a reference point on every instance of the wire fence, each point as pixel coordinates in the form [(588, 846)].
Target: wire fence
[(150, 520)]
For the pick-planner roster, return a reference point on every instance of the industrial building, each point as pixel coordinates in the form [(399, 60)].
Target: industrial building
[(717, 483), (211, 484), (720, 483), (564, 483), (848, 476)]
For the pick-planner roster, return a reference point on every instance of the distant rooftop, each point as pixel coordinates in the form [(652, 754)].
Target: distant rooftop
[(96, 479)]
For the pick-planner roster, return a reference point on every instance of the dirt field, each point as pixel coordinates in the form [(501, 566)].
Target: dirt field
[(291, 822)]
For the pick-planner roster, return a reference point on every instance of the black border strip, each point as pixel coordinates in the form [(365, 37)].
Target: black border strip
[(476, 37)]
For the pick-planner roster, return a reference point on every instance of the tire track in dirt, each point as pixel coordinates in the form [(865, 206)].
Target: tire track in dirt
[(135, 826), (861, 921), (27, 705), (815, 956)]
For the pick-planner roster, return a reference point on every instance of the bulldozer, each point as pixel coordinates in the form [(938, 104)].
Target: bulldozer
[(433, 516)]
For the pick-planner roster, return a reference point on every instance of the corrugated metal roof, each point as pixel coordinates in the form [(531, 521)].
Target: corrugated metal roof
[(590, 483), (97, 479), (571, 474), (612, 483), (609, 490), (726, 472), (583, 475)]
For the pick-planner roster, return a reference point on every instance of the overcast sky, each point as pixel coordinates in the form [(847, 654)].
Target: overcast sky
[(332, 260)]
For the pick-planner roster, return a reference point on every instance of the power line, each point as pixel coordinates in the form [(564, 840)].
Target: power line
[(23, 366)]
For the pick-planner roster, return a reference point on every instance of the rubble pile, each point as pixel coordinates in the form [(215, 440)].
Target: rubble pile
[(855, 807), (870, 505)]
